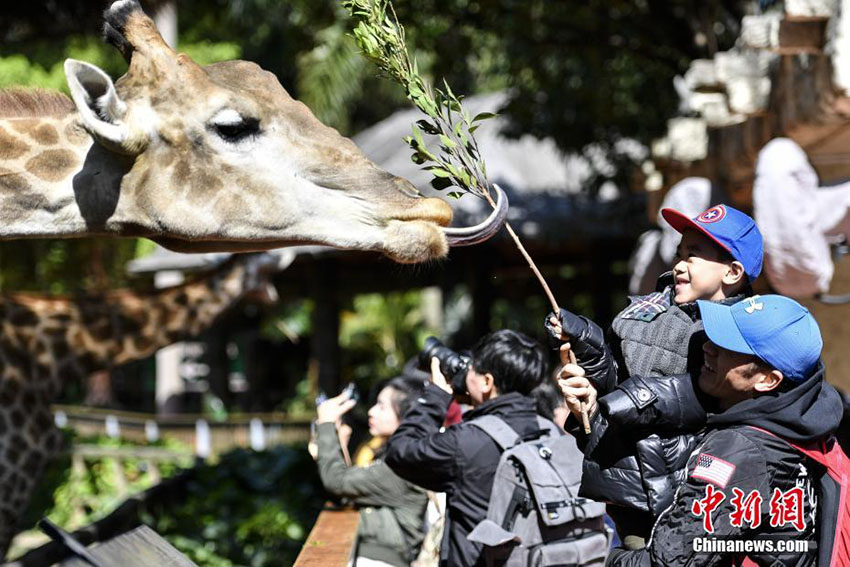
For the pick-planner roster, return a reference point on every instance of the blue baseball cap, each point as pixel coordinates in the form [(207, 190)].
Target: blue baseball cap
[(774, 328), (731, 229)]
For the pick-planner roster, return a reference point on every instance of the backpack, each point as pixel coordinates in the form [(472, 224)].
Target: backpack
[(535, 516), (833, 490)]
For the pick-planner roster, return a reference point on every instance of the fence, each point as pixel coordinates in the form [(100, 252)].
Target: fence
[(206, 436)]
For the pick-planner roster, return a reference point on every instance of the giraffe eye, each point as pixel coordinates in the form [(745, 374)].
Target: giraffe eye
[(233, 128), (238, 131)]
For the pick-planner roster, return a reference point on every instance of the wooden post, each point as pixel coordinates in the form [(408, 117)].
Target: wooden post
[(480, 283), (324, 346)]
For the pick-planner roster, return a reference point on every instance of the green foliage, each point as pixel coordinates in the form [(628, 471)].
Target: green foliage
[(251, 509), (459, 164), (206, 52), (331, 76), (74, 497), (381, 333)]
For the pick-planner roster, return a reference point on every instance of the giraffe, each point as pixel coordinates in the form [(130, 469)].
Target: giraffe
[(46, 342), (200, 159)]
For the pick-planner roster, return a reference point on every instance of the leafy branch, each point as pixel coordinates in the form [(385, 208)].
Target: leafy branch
[(458, 161)]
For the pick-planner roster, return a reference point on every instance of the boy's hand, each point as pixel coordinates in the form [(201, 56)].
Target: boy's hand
[(437, 377), (331, 410)]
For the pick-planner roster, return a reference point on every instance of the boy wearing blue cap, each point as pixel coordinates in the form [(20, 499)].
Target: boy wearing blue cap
[(720, 254), (744, 480)]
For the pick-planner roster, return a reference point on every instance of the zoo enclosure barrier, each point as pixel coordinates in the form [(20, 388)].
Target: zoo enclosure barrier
[(206, 436)]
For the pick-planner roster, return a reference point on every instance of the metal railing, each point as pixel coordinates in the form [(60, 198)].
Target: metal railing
[(207, 436)]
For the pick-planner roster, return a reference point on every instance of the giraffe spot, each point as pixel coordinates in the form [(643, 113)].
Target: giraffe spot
[(181, 173), (3, 426), (53, 165), (23, 317), (33, 462), (76, 134), (9, 392), (44, 134), (28, 399), (18, 188), (44, 423), (205, 181), (101, 331), (11, 146), (60, 349), (165, 159), (17, 417), (12, 456), (143, 343)]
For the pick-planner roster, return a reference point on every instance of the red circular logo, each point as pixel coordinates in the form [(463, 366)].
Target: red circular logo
[(713, 214)]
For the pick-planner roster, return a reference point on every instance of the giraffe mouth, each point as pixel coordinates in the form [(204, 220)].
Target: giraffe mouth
[(439, 212)]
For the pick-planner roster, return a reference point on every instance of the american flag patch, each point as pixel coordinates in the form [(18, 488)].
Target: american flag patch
[(714, 470)]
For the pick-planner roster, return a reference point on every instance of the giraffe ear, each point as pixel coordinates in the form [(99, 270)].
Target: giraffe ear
[(101, 110)]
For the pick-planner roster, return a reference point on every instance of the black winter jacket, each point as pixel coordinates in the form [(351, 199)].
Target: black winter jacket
[(749, 460), (626, 463), (460, 461), (633, 469)]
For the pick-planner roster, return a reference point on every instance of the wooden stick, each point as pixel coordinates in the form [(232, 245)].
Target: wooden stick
[(528, 259)]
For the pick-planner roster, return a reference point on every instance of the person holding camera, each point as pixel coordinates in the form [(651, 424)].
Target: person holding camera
[(392, 510), (497, 379)]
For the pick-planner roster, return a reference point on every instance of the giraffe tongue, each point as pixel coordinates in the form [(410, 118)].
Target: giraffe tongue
[(470, 235)]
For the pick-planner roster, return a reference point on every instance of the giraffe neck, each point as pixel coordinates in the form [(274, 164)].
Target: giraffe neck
[(54, 182), (46, 342)]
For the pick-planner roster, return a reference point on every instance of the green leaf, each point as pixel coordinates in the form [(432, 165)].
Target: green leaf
[(455, 194), (438, 171), (428, 127), (418, 136), (440, 183), (447, 142), (484, 116)]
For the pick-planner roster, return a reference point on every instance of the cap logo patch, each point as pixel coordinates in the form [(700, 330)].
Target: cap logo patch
[(714, 214), (754, 305)]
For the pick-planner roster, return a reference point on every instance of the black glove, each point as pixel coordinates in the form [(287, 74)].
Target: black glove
[(574, 326), (587, 341)]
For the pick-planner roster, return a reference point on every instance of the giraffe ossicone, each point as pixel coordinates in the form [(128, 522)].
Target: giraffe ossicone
[(199, 159)]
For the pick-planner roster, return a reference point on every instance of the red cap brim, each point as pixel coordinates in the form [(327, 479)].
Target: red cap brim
[(681, 223)]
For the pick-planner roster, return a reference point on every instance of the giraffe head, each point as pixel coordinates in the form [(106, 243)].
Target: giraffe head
[(222, 158)]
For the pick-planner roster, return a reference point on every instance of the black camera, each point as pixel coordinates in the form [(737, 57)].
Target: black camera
[(453, 365)]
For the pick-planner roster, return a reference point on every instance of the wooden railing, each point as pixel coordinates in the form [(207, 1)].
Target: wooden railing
[(331, 541)]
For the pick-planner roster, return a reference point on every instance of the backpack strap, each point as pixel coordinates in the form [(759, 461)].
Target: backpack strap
[(816, 452), (548, 426), (498, 430)]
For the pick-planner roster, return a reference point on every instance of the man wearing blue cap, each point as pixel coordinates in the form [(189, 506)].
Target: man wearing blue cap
[(763, 374), (719, 256)]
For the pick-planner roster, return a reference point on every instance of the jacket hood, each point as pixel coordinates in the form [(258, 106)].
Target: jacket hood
[(810, 411)]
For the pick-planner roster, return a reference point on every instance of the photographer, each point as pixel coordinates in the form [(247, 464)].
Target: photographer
[(392, 512), (504, 368)]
